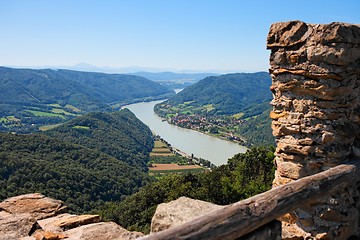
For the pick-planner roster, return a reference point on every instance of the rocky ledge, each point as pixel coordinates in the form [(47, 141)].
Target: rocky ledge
[(36, 217)]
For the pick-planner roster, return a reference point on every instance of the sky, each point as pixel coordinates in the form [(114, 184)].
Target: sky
[(177, 35)]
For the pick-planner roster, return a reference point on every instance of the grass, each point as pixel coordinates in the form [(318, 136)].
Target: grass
[(48, 127), (56, 105), (154, 154), (209, 107), (238, 115), (8, 119), (62, 111), (45, 114), (187, 103), (81, 127), (161, 149), (159, 144), (72, 108)]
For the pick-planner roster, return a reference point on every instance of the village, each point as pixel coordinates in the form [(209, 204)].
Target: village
[(223, 127)]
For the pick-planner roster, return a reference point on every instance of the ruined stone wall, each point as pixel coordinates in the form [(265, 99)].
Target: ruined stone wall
[(316, 118)]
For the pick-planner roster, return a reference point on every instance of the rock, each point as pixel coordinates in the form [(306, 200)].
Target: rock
[(35, 204), (34, 217), (46, 235), (67, 221), (179, 211), (101, 231), (15, 226), (287, 34)]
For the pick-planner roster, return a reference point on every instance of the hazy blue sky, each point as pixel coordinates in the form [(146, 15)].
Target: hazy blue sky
[(204, 35)]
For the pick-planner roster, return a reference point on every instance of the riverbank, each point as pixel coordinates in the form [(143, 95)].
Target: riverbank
[(191, 142)]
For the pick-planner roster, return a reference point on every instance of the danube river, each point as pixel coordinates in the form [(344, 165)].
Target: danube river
[(215, 150)]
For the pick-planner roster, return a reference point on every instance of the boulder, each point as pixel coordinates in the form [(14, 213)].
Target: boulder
[(35, 204), (179, 211), (103, 231), (36, 217)]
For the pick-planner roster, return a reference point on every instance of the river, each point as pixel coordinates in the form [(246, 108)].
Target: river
[(215, 150)]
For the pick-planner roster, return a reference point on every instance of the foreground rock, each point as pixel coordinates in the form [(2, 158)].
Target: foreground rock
[(36, 217), (177, 212)]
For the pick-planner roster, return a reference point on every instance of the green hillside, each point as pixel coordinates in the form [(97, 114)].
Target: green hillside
[(228, 94), (245, 175), (83, 178), (232, 106), (31, 98), (118, 134)]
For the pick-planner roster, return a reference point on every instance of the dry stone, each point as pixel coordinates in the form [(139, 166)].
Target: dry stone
[(179, 211), (36, 217), (103, 231), (315, 70), (35, 204)]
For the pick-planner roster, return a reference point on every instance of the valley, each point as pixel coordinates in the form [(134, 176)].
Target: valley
[(63, 135), (234, 107)]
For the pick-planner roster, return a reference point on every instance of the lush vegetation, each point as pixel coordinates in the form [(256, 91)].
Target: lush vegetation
[(118, 134), (97, 161), (228, 94), (42, 97), (232, 106), (83, 178), (245, 175)]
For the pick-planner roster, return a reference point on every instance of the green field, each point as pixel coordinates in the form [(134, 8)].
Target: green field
[(209, 107), (81, 127), (72, 108), (45, 114), (161, 149), (62, 111), (238, 115), (48, 127), (54, 105), (159, 144)]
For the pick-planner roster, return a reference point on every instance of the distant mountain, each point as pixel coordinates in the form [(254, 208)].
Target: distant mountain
[(119, 134), (31, 97), (85, 90), (174, 80), (228, 94), (163, 76)]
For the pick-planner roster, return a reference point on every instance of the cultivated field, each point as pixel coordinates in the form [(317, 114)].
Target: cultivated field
[(172, 166)]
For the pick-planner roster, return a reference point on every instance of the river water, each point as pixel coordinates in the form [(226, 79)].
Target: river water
[(215, 150)]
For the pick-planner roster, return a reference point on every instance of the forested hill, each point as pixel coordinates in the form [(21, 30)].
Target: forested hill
[(228, 94), (31, 98), (85, 90), (118, 134), (83, 178)]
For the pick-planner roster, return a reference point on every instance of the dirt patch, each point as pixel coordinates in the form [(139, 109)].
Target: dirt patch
[(172, 166)]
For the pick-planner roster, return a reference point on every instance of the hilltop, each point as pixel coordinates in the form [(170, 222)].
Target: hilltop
[(118, 134)]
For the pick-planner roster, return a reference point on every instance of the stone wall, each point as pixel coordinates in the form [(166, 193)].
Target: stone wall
[(316, 119)]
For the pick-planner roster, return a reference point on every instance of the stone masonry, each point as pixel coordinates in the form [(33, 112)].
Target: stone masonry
[(315, 70)]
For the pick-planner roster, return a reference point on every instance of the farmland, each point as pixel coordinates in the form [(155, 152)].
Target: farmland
[(164, 159)]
